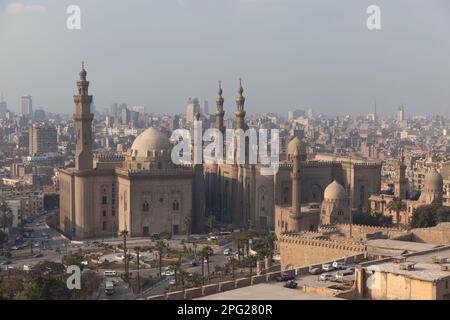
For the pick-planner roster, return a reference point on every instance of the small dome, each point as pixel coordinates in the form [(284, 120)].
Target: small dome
[(149, 140), (334, 191), (296, 147), (433, 180)]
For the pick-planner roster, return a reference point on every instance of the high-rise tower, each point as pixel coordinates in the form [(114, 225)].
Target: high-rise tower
[(83, 123)]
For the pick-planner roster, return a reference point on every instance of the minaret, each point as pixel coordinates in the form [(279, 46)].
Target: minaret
[(240, 112), (219, 112), (296, 192), (400, 181), (83, 123)]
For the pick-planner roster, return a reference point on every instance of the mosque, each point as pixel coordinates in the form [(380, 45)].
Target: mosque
[(144, 192)]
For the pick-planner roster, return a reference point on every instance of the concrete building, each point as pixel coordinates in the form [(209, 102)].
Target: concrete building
[(42, 139), (417, 276), (26, 105)]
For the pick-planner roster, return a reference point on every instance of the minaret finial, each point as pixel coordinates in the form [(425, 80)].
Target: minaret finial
[(82, 65)]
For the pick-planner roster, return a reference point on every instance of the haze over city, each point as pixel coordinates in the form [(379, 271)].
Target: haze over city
[(291, 54)]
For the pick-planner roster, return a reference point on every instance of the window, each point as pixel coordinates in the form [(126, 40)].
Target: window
[(113, 212), (175, 206), (145, 206), (161, 200), (104, 225), (104, 213), (104, 200)]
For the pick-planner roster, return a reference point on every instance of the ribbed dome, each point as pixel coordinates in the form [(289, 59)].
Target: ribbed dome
[(149, 140), (334, 191), (296, 147), (433, 180)]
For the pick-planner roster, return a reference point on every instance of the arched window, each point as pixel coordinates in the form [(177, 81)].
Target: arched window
[(175, 206), (145, 206)]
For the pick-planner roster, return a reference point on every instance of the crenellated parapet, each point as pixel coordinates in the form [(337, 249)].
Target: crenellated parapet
[(298, 239)]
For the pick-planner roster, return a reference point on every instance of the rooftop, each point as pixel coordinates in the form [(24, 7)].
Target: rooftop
[(425, 268), (264, 291)]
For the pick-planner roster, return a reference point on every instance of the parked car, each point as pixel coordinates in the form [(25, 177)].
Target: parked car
[(172, 282), (38, 255), (285, 277), (194, 263), (291, 284), (341, 274), (14, 248), (326, 276), (155, 236), (5, 262), (339, 265), (227, 252), (36, 245), (26, 267), (316, 271), (328, 267)]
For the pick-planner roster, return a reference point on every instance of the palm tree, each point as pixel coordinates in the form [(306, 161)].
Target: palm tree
[(138, 250), (206, 253), (187, 225), (160, 247), (124, 234), (250, 261), (202, 256), (269, 245), (397, 205), (232, 262), (175, 266)]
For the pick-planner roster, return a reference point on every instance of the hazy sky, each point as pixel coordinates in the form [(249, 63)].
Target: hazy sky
[(290, 54)]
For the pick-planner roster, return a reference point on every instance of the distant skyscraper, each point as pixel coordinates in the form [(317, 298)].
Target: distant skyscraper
[(26, 105), (3, 106), (114, 110), (205, 107), (192, 108), (39, 115), (401, 114), (125, 115), (292, 115), (42, 139), (139, 109)]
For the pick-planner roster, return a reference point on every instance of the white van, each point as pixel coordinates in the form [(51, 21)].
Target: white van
[(110, 273)]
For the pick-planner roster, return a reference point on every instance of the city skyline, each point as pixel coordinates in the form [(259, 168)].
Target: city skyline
[(261, 41)]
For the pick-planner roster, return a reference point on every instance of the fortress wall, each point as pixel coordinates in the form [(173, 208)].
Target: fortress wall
[(436, 235), (297, 251)]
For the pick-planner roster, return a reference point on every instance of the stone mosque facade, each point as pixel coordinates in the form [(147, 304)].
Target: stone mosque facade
[(143, 192)]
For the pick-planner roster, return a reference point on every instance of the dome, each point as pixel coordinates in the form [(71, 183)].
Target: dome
[(433, 180), (334, 191), (149, 140), (296, 147)]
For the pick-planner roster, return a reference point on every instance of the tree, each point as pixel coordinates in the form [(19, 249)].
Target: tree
[(10, 287), (250, 262), (268, 245), (232, 261), (397, 205), (175, 266), (206, 252), (138, 250), (429, 216), (124, 235), (45, 288), (372, 219), (161, 247)]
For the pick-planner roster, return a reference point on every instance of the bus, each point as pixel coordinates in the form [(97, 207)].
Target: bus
[(110, 274), (109, 288)]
